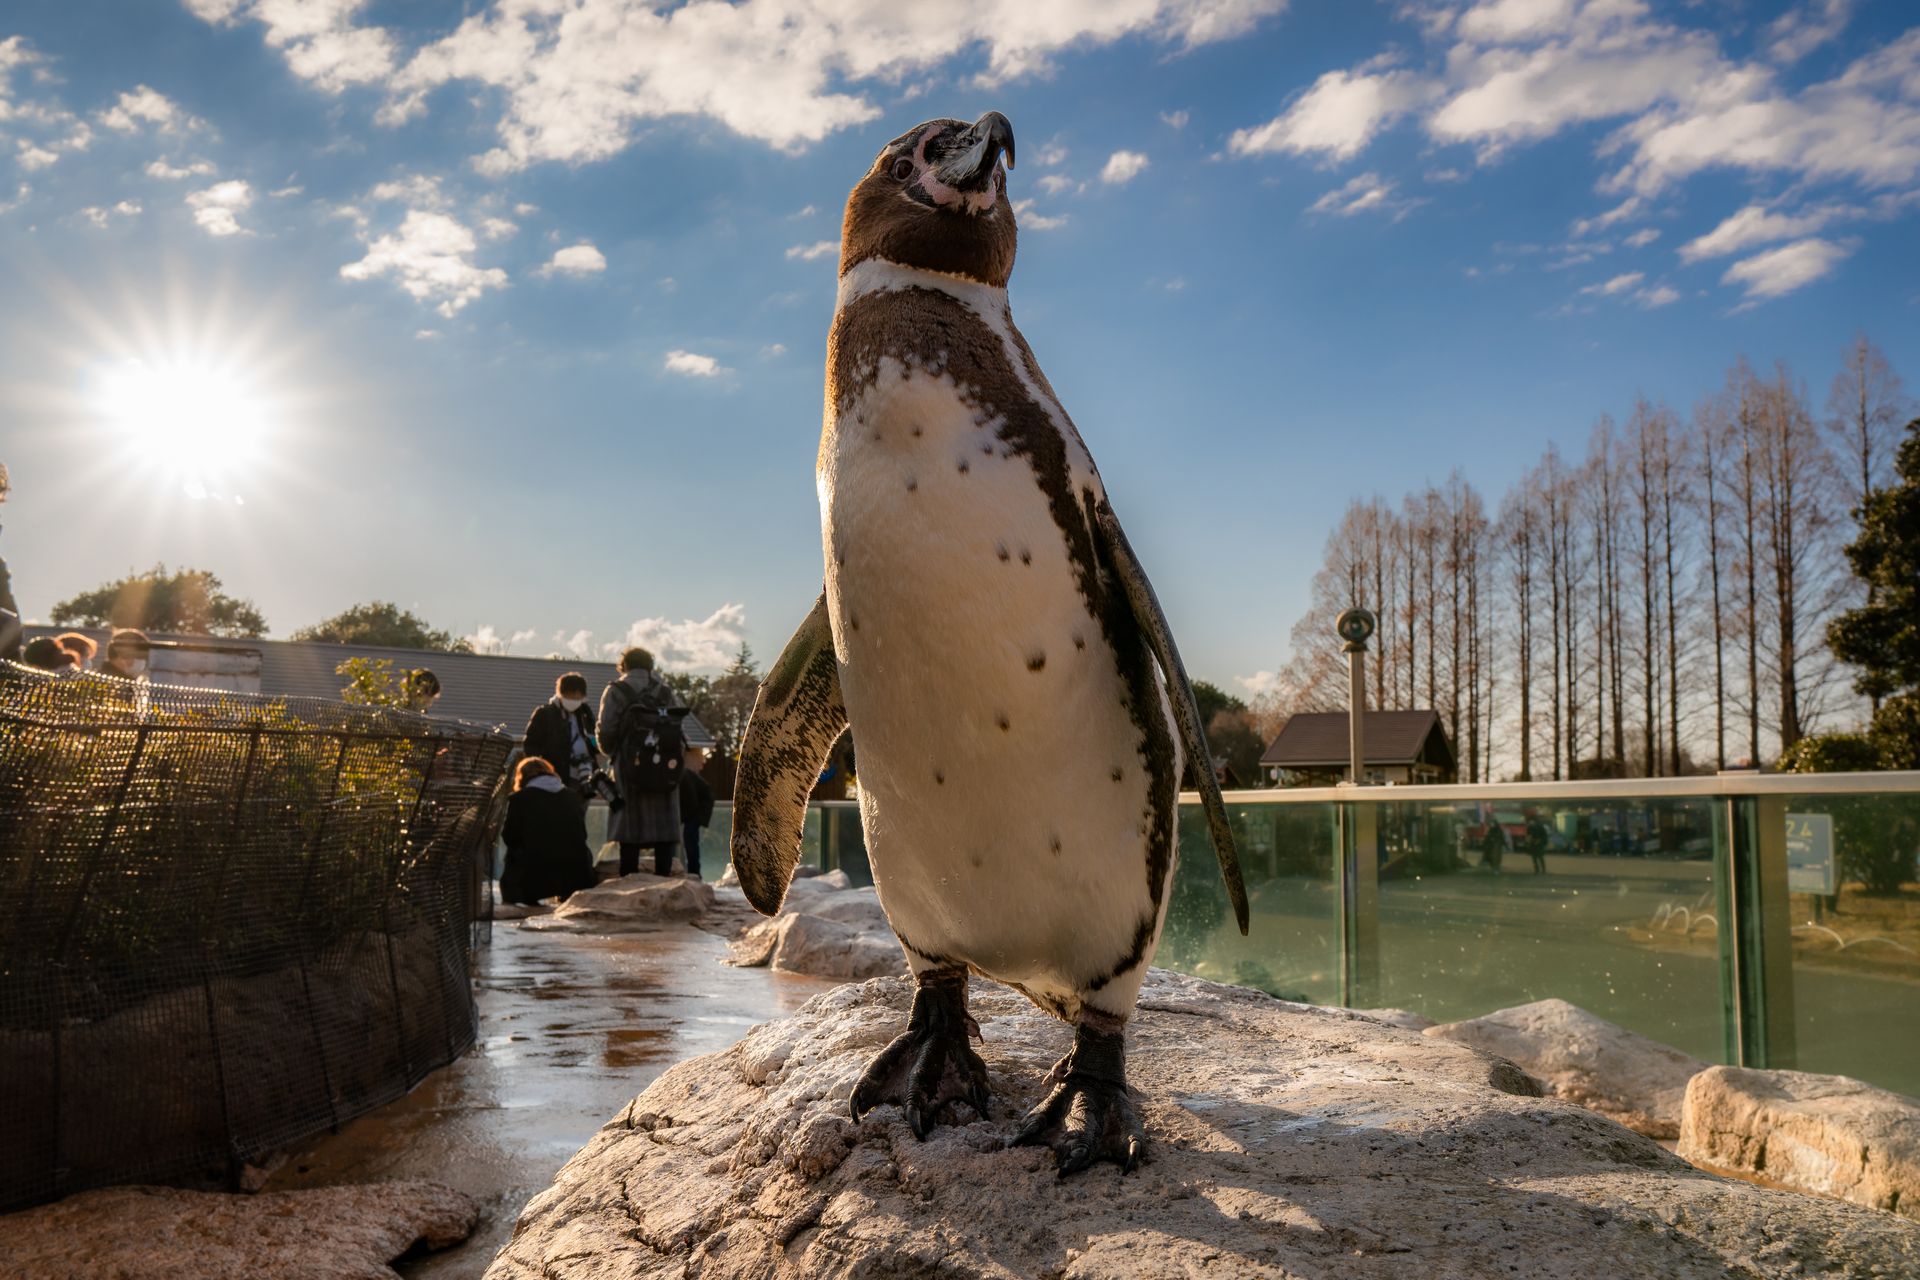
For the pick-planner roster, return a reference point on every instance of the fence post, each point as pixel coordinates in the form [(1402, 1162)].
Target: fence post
[(1359, 875), (1756, 939)]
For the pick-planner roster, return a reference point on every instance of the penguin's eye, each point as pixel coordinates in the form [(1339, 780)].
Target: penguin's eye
[(902, 169)]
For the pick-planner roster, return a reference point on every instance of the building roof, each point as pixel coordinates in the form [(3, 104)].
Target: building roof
[(480, 688), (1318, 739)]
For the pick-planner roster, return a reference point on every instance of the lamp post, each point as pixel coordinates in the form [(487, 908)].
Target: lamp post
[(1355, 627)]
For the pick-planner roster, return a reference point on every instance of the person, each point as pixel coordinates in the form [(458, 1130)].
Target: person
[(1537, 841), (46, 655), (128, 653), (1493, 845), (631, 708), (546, 838), (560, 731), (696, 808), (80, 645), (423, 690)]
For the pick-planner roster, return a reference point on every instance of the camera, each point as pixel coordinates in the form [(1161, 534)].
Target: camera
[(600, 783)]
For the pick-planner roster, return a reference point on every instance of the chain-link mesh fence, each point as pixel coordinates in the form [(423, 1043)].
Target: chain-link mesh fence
[(227, 922)]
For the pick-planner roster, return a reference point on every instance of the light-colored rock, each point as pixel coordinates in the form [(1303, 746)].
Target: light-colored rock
[(159, 1233), (800, 942), (1587, 1060), (858, 907), (1830, 1135), (1288, 1142), (638, 901), (1406, 1018)]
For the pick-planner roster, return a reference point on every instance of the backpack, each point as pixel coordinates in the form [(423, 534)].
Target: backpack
[(652, 745)]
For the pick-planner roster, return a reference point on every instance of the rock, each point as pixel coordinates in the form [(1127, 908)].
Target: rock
[(1587, 1060), (800, 942), (1398, 1018), (1288, 1142), (1830, 1135), (638, 901), (858, 907), (332, 1233)]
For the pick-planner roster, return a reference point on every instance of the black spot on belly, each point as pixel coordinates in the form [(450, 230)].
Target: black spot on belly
[(939, 777), (1080, 642), (1000, 549), (1118, 773), (912, 485), (1036, 660), (1055, 844), (853, 623), (1004, 723), (917, 433), (1026, 556), (965, 466)]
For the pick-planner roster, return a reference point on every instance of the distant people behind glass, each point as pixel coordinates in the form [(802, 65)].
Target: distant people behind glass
[(1493, 845), (696, 808), (1538, 838), (81, 646), (129, 654), (423, 690), (640, 732), (561, 732), (546, 838)]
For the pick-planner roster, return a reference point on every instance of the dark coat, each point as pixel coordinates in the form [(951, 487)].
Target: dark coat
[(647, 817), (549, 738), (696, 800), (546, 838)]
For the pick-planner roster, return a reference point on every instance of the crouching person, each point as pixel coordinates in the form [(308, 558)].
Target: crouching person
[(546, 837)]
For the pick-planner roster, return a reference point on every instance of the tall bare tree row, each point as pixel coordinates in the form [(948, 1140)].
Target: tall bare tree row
[(1656, 607)]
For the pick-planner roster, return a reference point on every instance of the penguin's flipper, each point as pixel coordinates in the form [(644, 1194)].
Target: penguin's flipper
[(797, 717), (1118, 557)]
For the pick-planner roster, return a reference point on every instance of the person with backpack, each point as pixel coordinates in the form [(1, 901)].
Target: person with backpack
[(639, 730)]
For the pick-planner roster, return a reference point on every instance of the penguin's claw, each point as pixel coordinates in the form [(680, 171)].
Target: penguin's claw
[(1086, 1116), (930, 1065)]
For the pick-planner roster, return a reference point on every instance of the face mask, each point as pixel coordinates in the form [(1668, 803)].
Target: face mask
[(573, 704), (134, 666)]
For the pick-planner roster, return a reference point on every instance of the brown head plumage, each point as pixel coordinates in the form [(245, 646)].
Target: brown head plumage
[(936, 198)]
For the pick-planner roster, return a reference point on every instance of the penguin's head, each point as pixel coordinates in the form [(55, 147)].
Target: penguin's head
[(936, 198)]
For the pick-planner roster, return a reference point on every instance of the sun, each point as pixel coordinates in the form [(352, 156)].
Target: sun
[(193, 424)]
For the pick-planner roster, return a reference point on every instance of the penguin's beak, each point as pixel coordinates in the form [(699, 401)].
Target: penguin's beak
[(971, 166)]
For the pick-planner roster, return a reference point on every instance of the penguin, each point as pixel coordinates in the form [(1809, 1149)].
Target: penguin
[(987, 634)]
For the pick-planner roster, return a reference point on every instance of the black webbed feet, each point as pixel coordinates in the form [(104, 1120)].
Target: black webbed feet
[(930, 1065), (1088, 1114)]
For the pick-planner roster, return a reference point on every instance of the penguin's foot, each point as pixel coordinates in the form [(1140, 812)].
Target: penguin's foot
[(930, 1065), (1088, 1114)]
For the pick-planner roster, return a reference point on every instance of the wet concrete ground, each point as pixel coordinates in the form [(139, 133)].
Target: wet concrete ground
[(571, 1028)]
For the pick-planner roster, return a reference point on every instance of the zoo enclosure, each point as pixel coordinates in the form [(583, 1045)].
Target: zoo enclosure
[(230, 921)]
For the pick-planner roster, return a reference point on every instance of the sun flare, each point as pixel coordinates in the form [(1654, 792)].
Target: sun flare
[(194, 425)]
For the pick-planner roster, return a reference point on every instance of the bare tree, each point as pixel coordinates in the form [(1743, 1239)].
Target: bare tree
[(1796, 466), (1520, 546), (1710, 429), (1865, 409)]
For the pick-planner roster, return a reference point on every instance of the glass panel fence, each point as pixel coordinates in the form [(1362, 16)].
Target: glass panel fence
[(1854, 907), (1287, 857), (1606, 904)]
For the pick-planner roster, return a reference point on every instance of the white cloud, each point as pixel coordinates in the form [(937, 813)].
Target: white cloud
[(1600, 222), (1642, 238), (690, 644), (1175, 119), (32, 158), (1054, 183), (170, 173), (1123, 167), (1754, 225), (1361, 193), (1260, 682), (100, 216), (575, 77), (575, 260), (773, 351), (1791, 266), (427, 335), (20, 195), (577, 643), (693, 364), (486, 640), (497, 228), (431, 257), (1052, 154), (142, 106), (1658, 296), (1804, 28), (806, 212), (319, 38), (1031, 219), (809, 252), (415, 190), (1617, 285), (1338, 115), (218, 208)]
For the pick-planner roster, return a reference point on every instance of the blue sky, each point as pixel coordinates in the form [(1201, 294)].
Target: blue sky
[(514, 311)]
